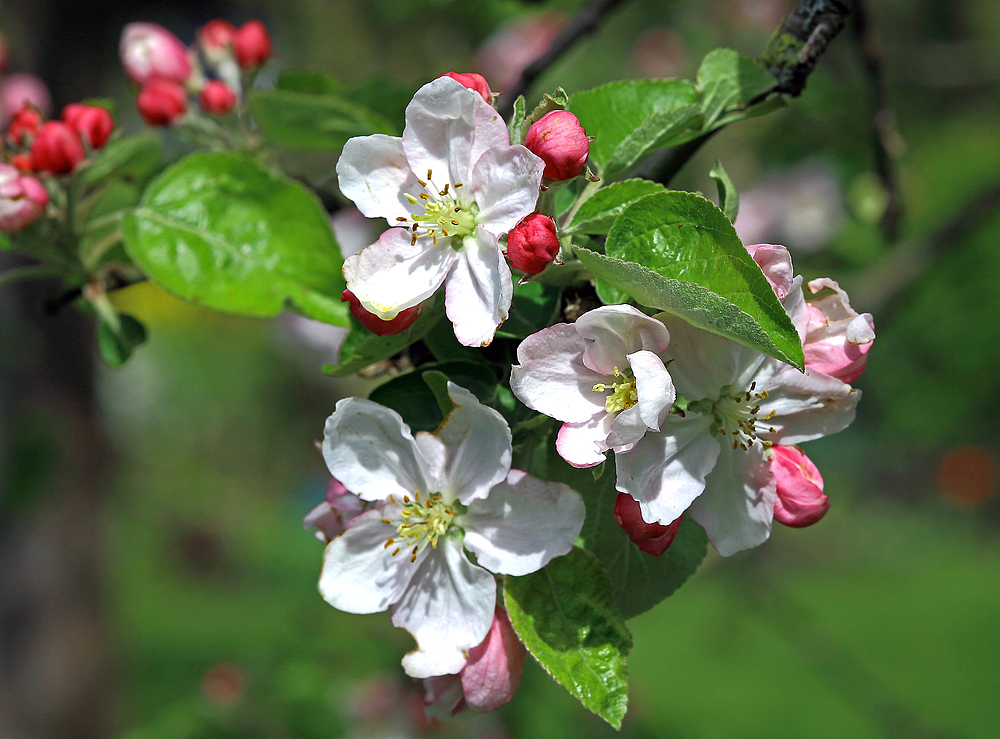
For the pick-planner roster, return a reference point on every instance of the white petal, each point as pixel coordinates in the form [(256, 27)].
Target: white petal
[(525, 523), (807, 406), (373, 172), (552, 378), (666, 471), (653, 386), (394, 274), (448, 608), (371, 451), (359, 574), (491, 131), (701, 363), (738, 503), (440, 132), (627, 428), (478, 290), (505, 185), (585, 444), (616, 331)]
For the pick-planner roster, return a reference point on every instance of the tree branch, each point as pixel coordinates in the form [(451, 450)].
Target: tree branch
[(794, 49)]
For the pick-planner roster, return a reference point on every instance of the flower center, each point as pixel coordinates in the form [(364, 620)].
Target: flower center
[(624, 394), (737, 417), (422, 522), (445, 215)]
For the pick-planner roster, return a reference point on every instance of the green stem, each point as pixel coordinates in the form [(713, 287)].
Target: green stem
[(31, 272)]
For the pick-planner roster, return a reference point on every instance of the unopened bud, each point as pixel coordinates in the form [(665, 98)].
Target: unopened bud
[(57, 149), (150, 51), (161, 102), (800, 501), (24, 124), (252, 44), (837, 337), (22, 199), (216, 36), (23, 163), (18, 90), (475, 82), (217, 98), (403, 320), (92, 122), (560, 141), (651, 538), (532, 244)]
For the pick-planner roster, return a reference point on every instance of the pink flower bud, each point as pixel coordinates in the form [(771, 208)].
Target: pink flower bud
[(651, 538), (161, 102), (252, 44), (532, 244), (57, 149), (475, 82), (560, 141), (334, 515), (216, 36), (23, 163), (776, 264), (24, 124), (837, 337), (149, 51), (376, 325), (22, 199), (217, 98), (800, 500), (92, 122), (18, 90)]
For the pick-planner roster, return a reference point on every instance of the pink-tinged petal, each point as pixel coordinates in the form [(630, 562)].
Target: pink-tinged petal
[(493, 672), (371, 451), (806, 406), (477, 441), (326, 522), (373, 172), (615, 331), (652, 538), (394, 274), (443, 696), (551, 377), (626, 429), (738, 503), (505, 185), (585, 444), (667, 470), (478, 290), (440, 132), (525, 523), (700, 362), (838, 338), (800, 501), (448, 608), (653, 386), (776, 264), (360, 575)]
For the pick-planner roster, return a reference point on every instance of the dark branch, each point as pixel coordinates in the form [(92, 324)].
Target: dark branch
[(794, 49)]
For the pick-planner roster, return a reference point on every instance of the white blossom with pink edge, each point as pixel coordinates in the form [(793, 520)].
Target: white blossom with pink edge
[(566, 371), (451, 186), (150, 51), (837, 338), (437, 495), (22, 199)]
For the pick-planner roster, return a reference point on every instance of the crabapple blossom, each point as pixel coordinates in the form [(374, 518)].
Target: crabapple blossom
[(837, 338), (451, 186), (216, 38), (24, 124), (56, 149), (475, 82), (334, 514), (252, 44), (565, 371), (161, 102), (532, 244), (800, 501), (149, 51), (217, 98), (22, 199), (437, 495), (92, 122), (18, 90), (559, 139)]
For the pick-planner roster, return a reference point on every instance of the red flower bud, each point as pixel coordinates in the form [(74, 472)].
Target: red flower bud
[(800, 500), (150, 51), (23, 162), (475, 82), (376, 325), (560, 141), (57, 149), (533, 243), (651, 538), (252, 44), (161, 102), (217, 97), (216, 35), (92, 122), (24, 124)]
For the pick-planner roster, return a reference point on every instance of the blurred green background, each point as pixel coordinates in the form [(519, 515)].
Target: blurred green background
[(881, 621)]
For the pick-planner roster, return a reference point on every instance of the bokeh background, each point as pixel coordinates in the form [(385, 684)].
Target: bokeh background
[(155, 579)]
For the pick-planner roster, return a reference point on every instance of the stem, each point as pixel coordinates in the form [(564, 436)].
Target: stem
[(30, 272), (582, 198)]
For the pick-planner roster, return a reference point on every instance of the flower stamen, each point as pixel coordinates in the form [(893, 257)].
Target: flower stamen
[(423, 522), (738, 419), (624, 394)]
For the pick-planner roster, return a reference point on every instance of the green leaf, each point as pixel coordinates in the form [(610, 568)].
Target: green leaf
[(683, 236), (533, 308), (222, 231), (609, 294), (309, 81), (384, 95), (115, 344), (565, 615), (658, 131), (437, 381), (515, 128), (729, 199), (613, 112), (134, 158), (727, 80), (599, 211), (558, 100), (299, 120)]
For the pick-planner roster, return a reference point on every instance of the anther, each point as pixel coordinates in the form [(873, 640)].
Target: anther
[(401, 219), (395, 551), (424, 196), (386, 520), (413, 240), (389, 542)]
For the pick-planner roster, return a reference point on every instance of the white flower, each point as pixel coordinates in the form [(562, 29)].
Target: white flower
[(713, 460), (452, 185), (566, 372), (438, 494)]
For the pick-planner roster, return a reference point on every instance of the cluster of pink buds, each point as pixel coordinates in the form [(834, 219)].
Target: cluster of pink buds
[(22, 199), (56, 147), (213, 70)]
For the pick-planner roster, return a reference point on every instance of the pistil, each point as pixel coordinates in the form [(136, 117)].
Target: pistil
[(446, 213), (422, 522), (624, 394)]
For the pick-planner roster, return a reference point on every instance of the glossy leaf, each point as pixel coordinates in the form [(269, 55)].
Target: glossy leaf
[(727, 80), (533, 308), (565, 615), (515, 127), (134, 158), (729, 199), (222, 231), (299, 120), (599, 211)]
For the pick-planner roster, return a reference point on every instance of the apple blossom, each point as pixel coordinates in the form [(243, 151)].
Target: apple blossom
[(18, 90), (22, 199), (24, 125), (651, 538), (377, 325), (532, 244), (334, 514), (565, 371), (437, 495), (56, 149), (92, 122), (475, 82), (559, 139), (837, 338), (800, 501), (451, 185), (217, 98), (149, 51), (252, 44), (161, 102)]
